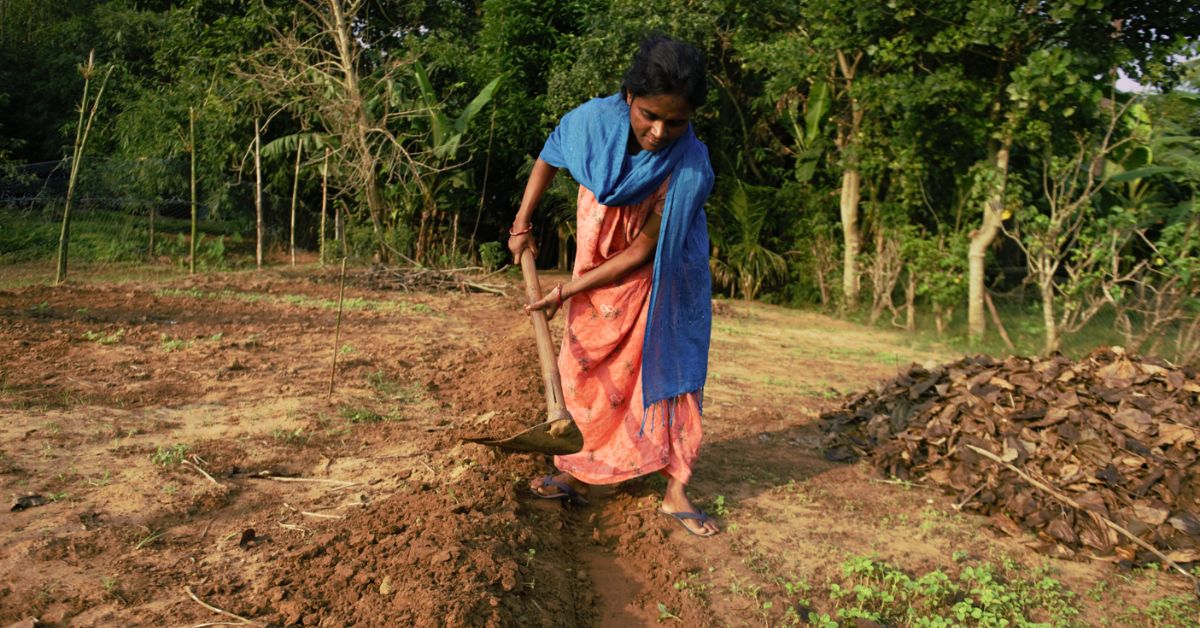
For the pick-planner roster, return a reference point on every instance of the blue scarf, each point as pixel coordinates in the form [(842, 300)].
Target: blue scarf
[(590, 142)]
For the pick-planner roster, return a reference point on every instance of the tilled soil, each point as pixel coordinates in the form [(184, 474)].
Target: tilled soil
[(186, 449)]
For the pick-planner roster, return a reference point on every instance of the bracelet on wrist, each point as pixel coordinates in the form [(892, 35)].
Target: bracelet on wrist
[(513, 231), (558, 295)]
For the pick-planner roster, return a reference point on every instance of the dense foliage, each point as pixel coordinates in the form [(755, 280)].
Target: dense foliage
[(889, 158)]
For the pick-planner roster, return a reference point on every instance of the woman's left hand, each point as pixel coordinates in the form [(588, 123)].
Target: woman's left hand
[(549, 303)]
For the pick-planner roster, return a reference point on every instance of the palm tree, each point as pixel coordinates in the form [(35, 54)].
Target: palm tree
[(741, 263)]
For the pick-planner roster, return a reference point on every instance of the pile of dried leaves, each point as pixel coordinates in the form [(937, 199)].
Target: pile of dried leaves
[(1113, 433)]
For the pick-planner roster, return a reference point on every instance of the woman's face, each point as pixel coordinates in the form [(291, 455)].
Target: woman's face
[(657, 121)]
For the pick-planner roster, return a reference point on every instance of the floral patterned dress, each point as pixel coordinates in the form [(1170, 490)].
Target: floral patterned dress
[(601, 360)]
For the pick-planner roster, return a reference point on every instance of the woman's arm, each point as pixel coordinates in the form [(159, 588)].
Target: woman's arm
[(539, 179), (640, 251)]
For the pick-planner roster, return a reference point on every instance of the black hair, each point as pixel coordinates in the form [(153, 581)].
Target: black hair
[(665, 66)]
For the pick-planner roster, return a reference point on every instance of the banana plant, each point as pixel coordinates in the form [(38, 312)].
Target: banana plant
[(445, 139)]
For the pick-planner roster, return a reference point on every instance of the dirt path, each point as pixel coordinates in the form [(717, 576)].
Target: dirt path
[(365, 508)]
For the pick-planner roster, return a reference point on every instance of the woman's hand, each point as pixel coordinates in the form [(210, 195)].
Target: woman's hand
[(519, 243), (549, 303)]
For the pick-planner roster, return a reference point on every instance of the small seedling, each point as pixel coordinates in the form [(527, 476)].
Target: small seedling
[(169, 456), (100, 481), (57, 497), (170, 344), (360, 415), (102, 338), (664, 613), (289, 437), (718, 506), (112, 589), (170, 488), (151, 538)]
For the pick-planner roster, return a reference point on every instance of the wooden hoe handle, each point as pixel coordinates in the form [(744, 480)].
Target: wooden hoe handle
[(545, 347)]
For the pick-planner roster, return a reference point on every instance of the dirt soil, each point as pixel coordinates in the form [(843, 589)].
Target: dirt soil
[(183, 440)]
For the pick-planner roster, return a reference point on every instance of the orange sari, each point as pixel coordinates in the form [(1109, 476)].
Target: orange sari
[(601, 360)]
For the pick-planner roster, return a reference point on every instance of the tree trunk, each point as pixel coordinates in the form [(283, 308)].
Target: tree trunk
[(910, 297), (324, 202), (359, 140), (81, 136), (260, 227), (851, 237), (982, 239), (851, 183), (564, 261), (295, 188), (339, 228), (192, 150), (151, 243), (1051, 340)]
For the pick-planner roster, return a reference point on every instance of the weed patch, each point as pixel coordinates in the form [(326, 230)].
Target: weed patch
[(169, 456), (102, 338), (981, 595)]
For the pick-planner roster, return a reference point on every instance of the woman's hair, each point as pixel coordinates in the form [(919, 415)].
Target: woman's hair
[(665, 66)]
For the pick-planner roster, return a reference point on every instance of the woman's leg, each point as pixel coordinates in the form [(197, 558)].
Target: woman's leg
[(675, 500), (537, 486)]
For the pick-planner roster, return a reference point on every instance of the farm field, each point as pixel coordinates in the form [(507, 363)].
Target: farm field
[(186, 450)]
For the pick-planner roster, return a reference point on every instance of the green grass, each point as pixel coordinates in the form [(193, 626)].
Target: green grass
[(101, 235), (300, 300)]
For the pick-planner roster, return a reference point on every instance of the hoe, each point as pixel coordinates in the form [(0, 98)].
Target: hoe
[(558, 434)]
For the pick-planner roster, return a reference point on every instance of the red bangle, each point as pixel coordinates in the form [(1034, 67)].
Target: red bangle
[(522, 232), (558, 295)]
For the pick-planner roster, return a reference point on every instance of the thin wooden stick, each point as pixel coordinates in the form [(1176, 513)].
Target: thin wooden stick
[(1072, 503), (314, 480), (987, 298), (202, 471), (214, 609), (337, 331), (294, 528), (317, 514)]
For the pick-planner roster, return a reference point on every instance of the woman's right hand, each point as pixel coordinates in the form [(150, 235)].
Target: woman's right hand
[(518, 243)]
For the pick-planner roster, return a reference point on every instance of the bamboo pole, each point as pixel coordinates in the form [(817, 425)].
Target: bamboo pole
[(81, 135), (192, 150), (295, 187), (258, 208), (324, 199), (337, 329)]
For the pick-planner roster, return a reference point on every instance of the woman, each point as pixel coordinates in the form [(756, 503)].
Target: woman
[(635, 351)]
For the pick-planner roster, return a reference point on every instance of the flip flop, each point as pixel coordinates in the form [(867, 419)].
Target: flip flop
[(564, 491), (700, 517)]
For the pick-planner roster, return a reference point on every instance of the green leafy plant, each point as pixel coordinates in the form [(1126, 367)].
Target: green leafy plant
[(169, 456), (102, 338), (492, 255), (169, 344), (741, 260)]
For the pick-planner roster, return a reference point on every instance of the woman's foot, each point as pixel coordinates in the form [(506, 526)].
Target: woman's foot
[(677, 504), (561, 486)]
